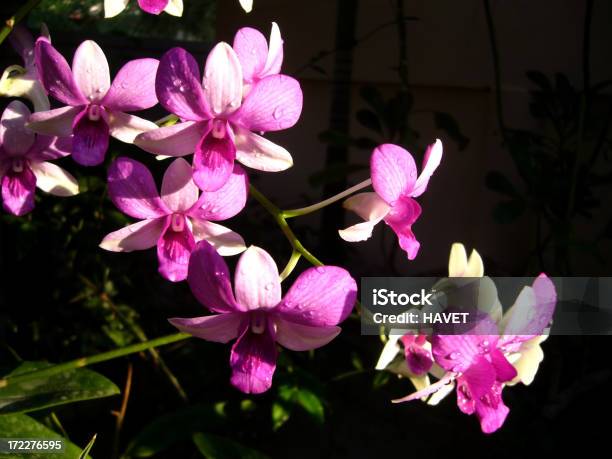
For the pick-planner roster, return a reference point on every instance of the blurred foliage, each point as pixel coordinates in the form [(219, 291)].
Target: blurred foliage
[(564, 167)]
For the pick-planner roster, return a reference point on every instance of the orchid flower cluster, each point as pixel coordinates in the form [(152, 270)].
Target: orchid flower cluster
[(219, 118), (501, 349)]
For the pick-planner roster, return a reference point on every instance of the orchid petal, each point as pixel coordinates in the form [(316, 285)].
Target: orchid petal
[(219, 328), (56, 75), (492, 416), (178, 86), (273, 103), (113, 7), (321, 296), (213, 162), (431, 161), (133, 87), (152, 6), (224, 240), (435, 387), (274, 59), (253, 361), (132, 189), (177, 140), (209, 279), (256, 280), (174, 249), (400, 218), (178, 191), (18, 191), (56, 122), (53, 179), (90, 70), (47, 148), (259, 153), (247, 5), (17, 82), (223, 80), (393, 172), (90, 141), (137, 236), (252, 50), (227, 201), (15, 137), (298, 337), (127, 127), (174, 8)]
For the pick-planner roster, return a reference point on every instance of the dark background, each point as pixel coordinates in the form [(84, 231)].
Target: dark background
[(525, 180)]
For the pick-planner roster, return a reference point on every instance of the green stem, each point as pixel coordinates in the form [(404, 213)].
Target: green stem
[(279, 218), (295, 257), (85, 361), (11, 22), (313, 208)]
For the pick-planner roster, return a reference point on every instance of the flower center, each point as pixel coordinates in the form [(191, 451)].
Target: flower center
[(93, 112), (218, 129), (178, 223), (17, 165), (258, 322)]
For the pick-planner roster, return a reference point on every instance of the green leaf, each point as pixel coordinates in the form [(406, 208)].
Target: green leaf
[(380, 379), (369, 119), (166, 430), (280, 415), (85, 452), (45, 392), (22, 426), (508, 211), (447, 123), (217, 447), (311, 403), (497, 181)]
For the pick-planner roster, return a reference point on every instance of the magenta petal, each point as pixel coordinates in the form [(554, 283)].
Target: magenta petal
[(90, 141), (219, 328), (132, 189), (252, 50), (479, 376), (180, 139), (153, 6), (418, 358), (227, 201), (299, 337), (18, 191), (174, 249), (321, 296), (492, 412), (253, 361), (393, 172), (56, 75), (213, 162), (133, 87), (457, 352), (400, 218), (178, 86), (274, 103), (504, 369), (178, 191), (209, 279)]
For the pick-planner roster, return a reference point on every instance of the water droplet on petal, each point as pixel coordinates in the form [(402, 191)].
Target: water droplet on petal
[(320, 269), (277, 113)]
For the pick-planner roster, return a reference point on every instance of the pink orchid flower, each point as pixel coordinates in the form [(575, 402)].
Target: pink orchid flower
[(173, 7), (176, 220), (395, 182), (95, 108), (478, 363), (218, 123), (306, 318), (258, 60), (24, 162)]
